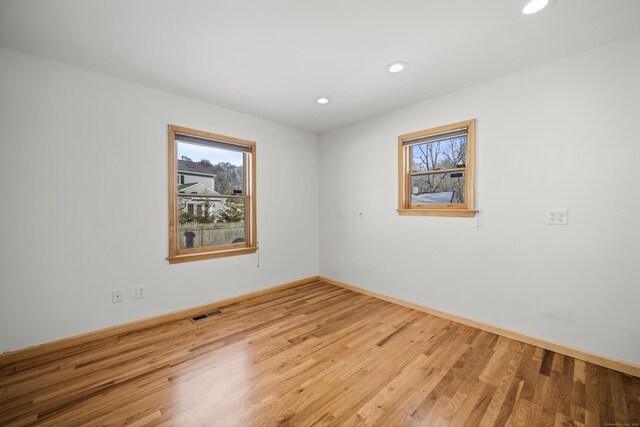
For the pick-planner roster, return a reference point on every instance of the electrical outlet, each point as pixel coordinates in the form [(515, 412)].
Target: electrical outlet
[(116, 296), (557, 217), (141, 291), (340, 214)]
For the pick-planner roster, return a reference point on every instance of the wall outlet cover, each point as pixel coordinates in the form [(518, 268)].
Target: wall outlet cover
[(141, 291), (557, 217), (116, 296)]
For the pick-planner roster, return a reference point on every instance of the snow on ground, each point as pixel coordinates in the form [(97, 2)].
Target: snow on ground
[(424, 198)]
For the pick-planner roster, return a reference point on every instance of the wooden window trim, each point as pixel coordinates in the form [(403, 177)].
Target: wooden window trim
[(405, 207), (250, 245)]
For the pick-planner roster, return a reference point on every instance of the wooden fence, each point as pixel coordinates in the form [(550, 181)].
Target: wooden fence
[(198, 235)]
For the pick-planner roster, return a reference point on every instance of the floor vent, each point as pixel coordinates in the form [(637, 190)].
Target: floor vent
[(204, 316)]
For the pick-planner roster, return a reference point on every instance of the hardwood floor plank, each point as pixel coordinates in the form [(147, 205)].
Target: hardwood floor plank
[(566, 387), (631, 396), (547, 360), (313, 354), (607, 415)]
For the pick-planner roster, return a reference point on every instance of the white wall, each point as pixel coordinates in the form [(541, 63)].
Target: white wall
[(561, 135), (73, 227)]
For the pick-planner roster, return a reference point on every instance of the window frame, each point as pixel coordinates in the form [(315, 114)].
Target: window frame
[(405, 207), (250, 245)]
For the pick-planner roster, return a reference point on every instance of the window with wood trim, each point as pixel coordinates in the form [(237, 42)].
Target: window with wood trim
[(436, 171), (212, 195)]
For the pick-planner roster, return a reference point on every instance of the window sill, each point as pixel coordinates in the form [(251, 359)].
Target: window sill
[(436, 212), (199, 256)]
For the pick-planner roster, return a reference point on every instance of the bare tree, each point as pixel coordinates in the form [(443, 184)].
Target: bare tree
[(433, 156)]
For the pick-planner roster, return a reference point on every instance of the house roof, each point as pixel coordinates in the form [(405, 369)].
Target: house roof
[(202, 190), (183, 187), (197, 168)]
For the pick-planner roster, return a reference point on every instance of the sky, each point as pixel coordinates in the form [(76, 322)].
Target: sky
[(214, 155)]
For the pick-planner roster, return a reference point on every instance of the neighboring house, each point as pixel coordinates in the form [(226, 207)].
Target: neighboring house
[(192, 172), (195, 178)]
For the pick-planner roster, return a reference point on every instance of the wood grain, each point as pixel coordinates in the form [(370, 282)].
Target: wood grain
[(554, 347), (314, 354), (65, 344)]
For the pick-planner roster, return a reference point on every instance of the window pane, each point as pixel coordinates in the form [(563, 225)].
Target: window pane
[(209, 221), (445, 154), (209, 170), (437, 188)]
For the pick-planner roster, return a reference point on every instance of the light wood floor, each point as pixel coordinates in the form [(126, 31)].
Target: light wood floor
[(313, 355)]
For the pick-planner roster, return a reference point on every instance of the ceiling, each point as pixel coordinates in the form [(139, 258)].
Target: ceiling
[(273, 58)]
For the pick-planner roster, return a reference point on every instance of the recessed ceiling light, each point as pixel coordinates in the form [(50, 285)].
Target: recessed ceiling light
[(534, 6), (396, 67), (322, 100)]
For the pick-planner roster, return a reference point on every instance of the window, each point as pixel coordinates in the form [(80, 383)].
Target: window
[(436, 171), (212, 195)]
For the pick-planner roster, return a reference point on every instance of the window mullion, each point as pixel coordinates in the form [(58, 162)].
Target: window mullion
[(432, 172)]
